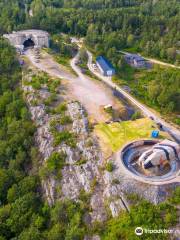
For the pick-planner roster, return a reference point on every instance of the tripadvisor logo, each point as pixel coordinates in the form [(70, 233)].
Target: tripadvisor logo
[(139, 231)]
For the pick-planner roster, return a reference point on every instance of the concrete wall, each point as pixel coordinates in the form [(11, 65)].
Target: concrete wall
[(17, 39)]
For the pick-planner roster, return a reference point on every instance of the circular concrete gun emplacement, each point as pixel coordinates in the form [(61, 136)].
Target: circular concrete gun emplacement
[(151, 161)]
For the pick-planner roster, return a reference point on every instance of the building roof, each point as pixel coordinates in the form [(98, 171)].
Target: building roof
[(104, 63), (135, 57)]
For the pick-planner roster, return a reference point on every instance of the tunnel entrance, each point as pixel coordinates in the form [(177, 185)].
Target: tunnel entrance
[(28, 43)]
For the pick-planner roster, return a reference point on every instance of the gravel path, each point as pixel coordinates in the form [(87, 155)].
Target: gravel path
[(91, 93)]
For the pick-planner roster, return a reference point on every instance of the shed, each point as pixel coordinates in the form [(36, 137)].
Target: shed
[(135, 60), (105, 66)]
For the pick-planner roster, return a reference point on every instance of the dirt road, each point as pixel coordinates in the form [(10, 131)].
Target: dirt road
[(91, 93), (156, 61), (175, 133)]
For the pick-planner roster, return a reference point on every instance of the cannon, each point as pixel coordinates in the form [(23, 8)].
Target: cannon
[(160, 154)]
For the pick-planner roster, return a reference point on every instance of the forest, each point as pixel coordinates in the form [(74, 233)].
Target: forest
[(150, 27)]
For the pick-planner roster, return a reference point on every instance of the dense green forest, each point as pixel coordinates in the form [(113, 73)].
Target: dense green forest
[(158, 87), (151, 27), (23, 214)]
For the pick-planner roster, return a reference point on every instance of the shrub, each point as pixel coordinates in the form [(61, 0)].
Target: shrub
[(109, 167), (61, 108), (53, 165), (53, 85), (115, 181), (65, 120), (89, 143), (81, 161), (175, 199), (50, 99), (65, 137), (93, 184), (56, 161), (136, 115), (36, 85)]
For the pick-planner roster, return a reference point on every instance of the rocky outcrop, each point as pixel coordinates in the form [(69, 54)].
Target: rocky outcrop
[(82, 161), (95, 237)]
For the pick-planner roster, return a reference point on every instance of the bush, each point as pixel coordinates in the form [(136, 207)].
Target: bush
[(61, 108), (89, 142), (50, 99), (81, 161), (53, 165), (175, 199), (65, 137), (36, 85), (93, 184), (53, 85), (65, 120), (136, 115), (109, 167), (109, 110), (56, 161), (115, 181)]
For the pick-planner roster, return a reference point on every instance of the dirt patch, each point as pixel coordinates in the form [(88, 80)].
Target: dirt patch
[(92, 94)]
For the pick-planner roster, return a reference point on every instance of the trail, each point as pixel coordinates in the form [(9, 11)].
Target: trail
[(155, 61)]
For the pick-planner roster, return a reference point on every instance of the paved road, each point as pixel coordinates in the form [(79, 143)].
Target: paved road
[(175, 133), (156, 61)]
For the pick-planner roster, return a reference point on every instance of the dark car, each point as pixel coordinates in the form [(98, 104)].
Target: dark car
[(160, 126)]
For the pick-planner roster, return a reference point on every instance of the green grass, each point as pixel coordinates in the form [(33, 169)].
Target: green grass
[(138, 80), (115, 135), (63, 60)]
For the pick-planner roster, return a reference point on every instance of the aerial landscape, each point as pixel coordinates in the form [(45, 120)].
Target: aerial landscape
[(89, 119)]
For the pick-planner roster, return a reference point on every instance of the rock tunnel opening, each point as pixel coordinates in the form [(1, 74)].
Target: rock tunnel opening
[(29, 43)]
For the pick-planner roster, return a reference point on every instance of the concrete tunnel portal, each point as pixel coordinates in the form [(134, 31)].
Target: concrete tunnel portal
[(28, 39)]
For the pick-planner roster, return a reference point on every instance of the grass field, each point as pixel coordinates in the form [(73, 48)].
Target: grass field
[(115, 135)]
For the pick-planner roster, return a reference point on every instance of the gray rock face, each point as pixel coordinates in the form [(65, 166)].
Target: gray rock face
[(44, 94), (82, 161), (116, 207), (98, 213), (73, 156), (95, 237), (49, 187), (76, 178), (80, 122), (44, 140), (38, 114)]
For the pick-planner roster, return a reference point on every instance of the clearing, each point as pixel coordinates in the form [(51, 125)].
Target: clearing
[(91, 93), (114, 136)]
